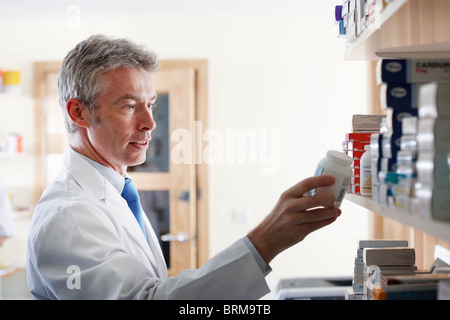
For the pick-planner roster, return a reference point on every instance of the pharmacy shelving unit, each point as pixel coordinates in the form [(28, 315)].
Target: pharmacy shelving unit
[(17, 170), (367, 43), (405, 28), (438, 228)]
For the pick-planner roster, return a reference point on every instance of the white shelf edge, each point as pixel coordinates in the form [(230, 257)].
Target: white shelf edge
[(8, 95), (23, 213), (25, 155), (437, 228), (387, 12), (437, 50)]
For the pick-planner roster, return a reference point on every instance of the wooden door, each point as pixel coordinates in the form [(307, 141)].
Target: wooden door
[(166, 180), (169, 180)]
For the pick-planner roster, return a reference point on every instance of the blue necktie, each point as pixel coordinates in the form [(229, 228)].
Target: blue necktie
[(130, 194)]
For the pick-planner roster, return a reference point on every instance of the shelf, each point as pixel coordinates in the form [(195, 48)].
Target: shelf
[(438, 50), (364, 47), (10, 270), (15, 96), (24, 213), (439, 229), (16, 156)]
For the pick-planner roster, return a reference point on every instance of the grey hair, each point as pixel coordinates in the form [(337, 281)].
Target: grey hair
[(80, 74)]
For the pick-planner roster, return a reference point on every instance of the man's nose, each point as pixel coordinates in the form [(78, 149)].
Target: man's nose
[(147, 123)]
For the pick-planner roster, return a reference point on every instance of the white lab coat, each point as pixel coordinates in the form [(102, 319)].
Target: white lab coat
[(84, 243)]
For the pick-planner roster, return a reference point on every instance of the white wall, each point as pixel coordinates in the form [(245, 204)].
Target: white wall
[(283, 73)]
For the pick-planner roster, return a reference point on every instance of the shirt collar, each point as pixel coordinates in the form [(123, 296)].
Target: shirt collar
[(115, 178)]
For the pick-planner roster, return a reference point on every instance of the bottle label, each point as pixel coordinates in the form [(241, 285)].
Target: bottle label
[(342, 191), (341, 196), (319, 170), (366, 180)]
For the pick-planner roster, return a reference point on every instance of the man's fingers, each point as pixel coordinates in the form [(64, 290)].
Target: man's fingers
[(306, 203), (318, 214), (308, 184), (294, 217)]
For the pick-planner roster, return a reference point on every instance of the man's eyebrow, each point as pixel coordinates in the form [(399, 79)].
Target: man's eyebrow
[(133, 97)]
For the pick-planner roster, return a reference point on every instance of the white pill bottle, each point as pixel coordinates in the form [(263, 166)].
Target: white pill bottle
[(339, 165), (366, 172)]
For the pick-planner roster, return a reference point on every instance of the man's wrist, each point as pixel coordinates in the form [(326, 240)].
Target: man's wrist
[(264, 267)]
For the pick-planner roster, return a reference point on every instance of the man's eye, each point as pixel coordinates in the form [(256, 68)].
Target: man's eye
[(151, 106), (129, 107)]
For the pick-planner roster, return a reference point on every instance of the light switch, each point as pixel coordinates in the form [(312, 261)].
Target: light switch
[(241, 216)]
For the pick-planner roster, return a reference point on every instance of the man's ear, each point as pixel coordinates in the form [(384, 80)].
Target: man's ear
[(78, 112)]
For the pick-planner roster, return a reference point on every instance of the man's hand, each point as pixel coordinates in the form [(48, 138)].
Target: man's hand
[(294, 217)]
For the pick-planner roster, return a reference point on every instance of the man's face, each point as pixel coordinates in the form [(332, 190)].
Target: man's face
[(125, 116)]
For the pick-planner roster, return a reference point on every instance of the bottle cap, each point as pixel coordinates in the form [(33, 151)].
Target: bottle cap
[(339, 157)]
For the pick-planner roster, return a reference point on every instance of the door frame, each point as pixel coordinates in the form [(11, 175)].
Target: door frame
[(200, 68)]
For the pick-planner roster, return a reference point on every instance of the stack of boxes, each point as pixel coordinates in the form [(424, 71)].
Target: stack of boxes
[(361, 269), (399, 100), (410, 145), (363, 128), (353, 146), (406, 172), (345, 16), (433, 158), (411, 150), (355, 16)]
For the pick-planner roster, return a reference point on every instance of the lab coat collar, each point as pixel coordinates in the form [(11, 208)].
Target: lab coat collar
[(115, 178), (85, 174), (92, 181)]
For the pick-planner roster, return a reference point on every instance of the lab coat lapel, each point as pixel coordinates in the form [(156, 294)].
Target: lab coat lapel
[(155, 247), (133, 230), (91, 181)]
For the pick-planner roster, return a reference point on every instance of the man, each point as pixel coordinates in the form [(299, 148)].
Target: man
[(84, 241)]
